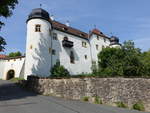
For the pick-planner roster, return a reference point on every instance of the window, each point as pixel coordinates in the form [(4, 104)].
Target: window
[(54, 36), (53, 52), (104, 39), (85, 57), (84, 44), (65, 28), (97, 37), (72, 57), (82, 35), (97, 47), (38, 28)]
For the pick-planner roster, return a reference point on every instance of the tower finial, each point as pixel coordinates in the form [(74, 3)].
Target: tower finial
[(40, 5)]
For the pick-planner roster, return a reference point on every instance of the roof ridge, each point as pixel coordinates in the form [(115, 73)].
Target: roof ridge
[(70, 27)]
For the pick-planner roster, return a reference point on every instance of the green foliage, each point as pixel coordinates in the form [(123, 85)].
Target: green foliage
[(146, 61), (84, 75), (59, 71), (110, 62), (6, 7), (97, 100), (2, 44), (94, 68), (121, 105), (16, 80), (15, 54), (139, 106), (126, 61), (86, 99)]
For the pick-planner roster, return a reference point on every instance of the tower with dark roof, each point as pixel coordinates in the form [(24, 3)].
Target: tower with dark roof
[(38, 43), (114, 42)]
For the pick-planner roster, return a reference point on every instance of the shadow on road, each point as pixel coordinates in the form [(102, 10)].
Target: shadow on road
[(11, 91)]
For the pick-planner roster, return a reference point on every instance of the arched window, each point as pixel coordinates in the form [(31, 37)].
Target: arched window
[(72, 57)]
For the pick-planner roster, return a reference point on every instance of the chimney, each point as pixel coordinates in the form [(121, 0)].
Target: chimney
[(67, 23), (52, 17)]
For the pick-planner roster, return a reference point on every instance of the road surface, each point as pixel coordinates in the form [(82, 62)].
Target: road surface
[(16, 100)]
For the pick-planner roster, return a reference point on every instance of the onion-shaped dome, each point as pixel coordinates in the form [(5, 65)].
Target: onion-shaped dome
[(38, 13), (114, 41)]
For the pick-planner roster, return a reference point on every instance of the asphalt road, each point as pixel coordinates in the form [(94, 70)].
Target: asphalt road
[(16, 100)]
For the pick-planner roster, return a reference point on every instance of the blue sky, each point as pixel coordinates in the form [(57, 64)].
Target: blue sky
[(127, 19)]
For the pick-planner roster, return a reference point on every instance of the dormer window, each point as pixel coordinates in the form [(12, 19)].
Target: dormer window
[(82, 35), (38, 28), (64, 28)]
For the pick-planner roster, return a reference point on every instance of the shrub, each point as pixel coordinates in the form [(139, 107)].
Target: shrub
[(85, 98), (139, 106), (121, 105), (94, 68), (97, 100), (59, 71)]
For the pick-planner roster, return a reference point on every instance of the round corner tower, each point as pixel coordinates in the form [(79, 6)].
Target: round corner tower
[(38, 44)]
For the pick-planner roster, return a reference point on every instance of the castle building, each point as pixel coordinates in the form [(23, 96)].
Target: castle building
[(49, 41)]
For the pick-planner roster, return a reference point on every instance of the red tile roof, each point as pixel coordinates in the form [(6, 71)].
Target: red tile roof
[(2, 56), (70, 30), (67, 29), (17, 57), (98, 32)]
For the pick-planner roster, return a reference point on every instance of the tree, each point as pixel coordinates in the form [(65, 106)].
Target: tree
[(125, 61), (2, 44), (145, 57), (132, 65), (15, 54), (110, 62), (6, 7), (59, 71)]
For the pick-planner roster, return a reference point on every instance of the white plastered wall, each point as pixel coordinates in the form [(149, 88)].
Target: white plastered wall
[(11, 64), (81, 64)]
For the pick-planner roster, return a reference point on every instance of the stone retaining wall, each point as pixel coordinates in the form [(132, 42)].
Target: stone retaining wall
[(110, 90)]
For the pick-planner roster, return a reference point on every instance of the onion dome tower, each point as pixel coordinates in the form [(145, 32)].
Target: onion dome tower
[(114, 42)]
